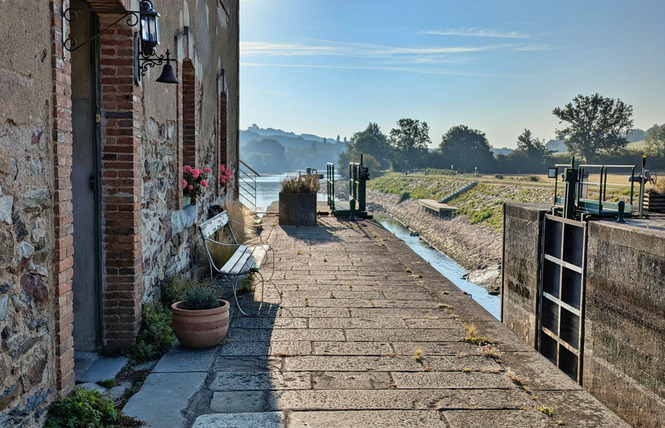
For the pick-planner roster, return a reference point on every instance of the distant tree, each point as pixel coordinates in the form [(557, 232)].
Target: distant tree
[(371, 141), (466, 149), (531, 155), (596, 125), (655, 141), (337, 140), (409, 142)]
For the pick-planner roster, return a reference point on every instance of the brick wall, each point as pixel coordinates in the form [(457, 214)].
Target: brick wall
[(121, 186), (222, 149), (62, 208), (189, 146)]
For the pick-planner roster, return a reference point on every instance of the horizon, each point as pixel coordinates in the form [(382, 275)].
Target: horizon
[(319, 68)]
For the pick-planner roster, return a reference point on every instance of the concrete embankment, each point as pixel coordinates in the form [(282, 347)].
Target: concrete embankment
[(475, 248)]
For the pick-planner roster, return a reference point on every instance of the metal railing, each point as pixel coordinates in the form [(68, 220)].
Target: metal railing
[(247, 185), (330, 185), (583, 187)]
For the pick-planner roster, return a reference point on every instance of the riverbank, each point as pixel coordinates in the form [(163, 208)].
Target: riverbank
[(476, 248)]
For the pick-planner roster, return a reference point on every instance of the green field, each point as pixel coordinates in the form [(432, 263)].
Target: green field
[(483, 203)]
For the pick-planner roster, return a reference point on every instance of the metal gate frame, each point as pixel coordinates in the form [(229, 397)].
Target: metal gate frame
[(561, 290)]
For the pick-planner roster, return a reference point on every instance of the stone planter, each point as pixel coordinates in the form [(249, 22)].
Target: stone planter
[(297, 209), (200, 328)]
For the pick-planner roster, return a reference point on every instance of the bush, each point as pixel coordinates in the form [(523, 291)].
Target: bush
[(197, 299), (499, 176), (86, 409), (534, 178), (156, 336)]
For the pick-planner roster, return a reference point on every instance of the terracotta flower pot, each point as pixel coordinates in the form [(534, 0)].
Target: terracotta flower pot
[(200, 328)]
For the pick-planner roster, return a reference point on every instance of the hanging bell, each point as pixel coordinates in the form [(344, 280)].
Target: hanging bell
[(168, 75)]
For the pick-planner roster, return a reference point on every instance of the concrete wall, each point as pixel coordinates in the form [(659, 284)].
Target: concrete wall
[(624, 359), (624, 348), (36, 225), (521, 260)]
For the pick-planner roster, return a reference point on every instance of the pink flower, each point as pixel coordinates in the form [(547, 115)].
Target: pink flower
[(206, 169), (222, 168), (204, 183), (184, 184), (187, 168), (196, 172), (190, 187)]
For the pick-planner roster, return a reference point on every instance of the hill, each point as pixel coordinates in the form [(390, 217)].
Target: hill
[(270, 150)]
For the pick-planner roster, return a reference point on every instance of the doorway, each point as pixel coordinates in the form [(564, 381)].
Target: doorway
[(85, 179)]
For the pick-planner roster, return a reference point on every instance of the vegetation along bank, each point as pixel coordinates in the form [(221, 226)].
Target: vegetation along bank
[(472, 236)]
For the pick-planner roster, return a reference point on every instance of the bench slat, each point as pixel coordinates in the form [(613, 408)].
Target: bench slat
[(244, 259), (211, 226)]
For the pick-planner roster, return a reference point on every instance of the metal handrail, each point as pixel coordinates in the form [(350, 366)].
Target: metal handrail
[(247, 185), (330, 185)]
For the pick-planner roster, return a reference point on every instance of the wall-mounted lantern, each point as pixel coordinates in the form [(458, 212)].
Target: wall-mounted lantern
[(145, 41)]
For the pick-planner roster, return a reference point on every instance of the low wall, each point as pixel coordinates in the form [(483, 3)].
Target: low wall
[(624, 341)]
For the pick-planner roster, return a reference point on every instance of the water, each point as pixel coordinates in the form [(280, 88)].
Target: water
[(267, 191), (445, 265)]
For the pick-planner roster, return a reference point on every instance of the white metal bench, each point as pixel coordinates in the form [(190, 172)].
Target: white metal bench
[(247, 258)]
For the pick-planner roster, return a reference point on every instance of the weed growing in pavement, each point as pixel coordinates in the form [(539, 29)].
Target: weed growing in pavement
[(472, 338)]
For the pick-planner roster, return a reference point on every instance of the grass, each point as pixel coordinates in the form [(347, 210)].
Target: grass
[(482, 204), (473, 339)]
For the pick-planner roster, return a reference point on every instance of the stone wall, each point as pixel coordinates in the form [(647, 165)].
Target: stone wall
[(624, 340), (27, 326)]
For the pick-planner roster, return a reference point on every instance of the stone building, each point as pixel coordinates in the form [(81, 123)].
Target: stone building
[(91, 158)]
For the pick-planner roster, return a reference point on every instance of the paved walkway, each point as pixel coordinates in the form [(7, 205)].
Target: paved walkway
[(366, 335)]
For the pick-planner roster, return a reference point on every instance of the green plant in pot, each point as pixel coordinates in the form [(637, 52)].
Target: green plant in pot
[(297, 200), (200, 319)]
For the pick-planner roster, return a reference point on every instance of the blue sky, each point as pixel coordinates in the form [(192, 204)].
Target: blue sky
[(329, 67)]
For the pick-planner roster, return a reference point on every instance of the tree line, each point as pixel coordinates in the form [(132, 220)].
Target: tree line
[(594, 130)]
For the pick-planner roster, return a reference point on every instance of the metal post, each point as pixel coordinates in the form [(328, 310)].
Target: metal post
[(642, 180), (571, 182), (621, 206)]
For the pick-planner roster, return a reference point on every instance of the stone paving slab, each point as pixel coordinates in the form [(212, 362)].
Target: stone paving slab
[(385, 334), (262, 381), (436, 348), (368, 400), (352, 348), (356, 322), (497, 418), (242, 322), (163, 397), (454, 380), (274, 348), (367, 419), (102, 369), (351, 380), (181, 359), (240, 420)]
